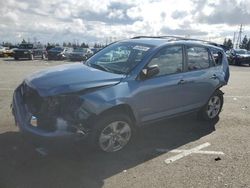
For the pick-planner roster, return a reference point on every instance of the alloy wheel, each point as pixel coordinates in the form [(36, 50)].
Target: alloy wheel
[(115, 136), (214, 106)]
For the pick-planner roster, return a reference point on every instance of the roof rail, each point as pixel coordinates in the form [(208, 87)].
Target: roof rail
[(171, 37)]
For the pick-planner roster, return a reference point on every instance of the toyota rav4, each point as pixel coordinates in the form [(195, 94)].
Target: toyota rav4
[(126, 85)]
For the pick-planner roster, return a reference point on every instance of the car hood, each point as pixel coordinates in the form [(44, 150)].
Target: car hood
[(70, 78)]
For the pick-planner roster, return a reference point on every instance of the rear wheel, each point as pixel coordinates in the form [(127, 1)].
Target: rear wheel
[(112, 132), (213, 107), (16, 58)]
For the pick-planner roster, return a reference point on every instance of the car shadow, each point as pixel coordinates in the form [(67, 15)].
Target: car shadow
[(78, 166)]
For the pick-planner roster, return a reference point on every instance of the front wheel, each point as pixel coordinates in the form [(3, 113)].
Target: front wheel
[(112, 133), (213, 107)]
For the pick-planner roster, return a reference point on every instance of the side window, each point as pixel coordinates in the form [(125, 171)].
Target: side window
[(217, 56), (169, 60), (198, 58)]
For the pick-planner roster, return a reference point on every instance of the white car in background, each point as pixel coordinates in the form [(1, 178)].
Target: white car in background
[(2, 51)]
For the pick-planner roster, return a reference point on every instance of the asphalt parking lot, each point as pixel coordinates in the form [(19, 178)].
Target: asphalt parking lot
[(181, 152)]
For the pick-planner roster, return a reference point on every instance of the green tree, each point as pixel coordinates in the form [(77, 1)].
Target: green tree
[(248, 44), (84, 45), (225, 42), (229, 43), (23, 41), (244, 43)]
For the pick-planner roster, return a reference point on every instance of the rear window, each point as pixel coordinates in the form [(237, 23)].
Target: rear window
[(198, 58), (26, 46), (57, 49)]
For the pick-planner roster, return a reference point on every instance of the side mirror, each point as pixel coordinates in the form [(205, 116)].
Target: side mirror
[(150, 71)]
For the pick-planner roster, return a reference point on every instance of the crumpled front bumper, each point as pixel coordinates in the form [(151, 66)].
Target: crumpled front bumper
[(23, 118)]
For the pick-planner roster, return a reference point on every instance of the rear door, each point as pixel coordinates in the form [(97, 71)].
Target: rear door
[(199, 79)]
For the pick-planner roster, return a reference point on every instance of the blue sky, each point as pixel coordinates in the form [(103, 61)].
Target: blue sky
[(99, 20)]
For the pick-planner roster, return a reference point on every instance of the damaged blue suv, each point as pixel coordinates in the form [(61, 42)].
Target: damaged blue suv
[(122, 87)]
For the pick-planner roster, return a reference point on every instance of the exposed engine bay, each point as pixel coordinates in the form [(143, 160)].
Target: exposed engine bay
[(63, 112)]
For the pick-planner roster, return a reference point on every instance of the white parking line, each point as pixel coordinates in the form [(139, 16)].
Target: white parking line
[(247, 96), (6, 89), (199, 152), (42, 151), (183, 153)]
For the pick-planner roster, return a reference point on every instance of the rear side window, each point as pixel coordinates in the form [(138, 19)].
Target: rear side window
[(198, 58), (169, 60), (217, 56)]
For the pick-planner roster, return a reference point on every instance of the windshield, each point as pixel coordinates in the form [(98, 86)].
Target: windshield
[(26, 46), (79, 50), (57, 49), (119, 58), (241, 51)]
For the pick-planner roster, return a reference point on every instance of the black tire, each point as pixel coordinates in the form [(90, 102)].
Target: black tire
[(237, 63), (234, 62), (102, 128), (16, 58), (206, 113)]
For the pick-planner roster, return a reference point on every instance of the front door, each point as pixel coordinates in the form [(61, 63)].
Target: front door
[(162, 95)]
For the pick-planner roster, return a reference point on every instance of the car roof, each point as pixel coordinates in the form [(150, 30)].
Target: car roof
[(160, 41)]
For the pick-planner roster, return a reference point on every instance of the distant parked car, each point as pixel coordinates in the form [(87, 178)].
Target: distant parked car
[(11, 50), (239, 57), (29, 51), (95, 50), (58, 53), (3, 51), (80, 54)]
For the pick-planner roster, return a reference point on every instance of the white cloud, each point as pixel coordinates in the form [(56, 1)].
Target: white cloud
[(94, 20)]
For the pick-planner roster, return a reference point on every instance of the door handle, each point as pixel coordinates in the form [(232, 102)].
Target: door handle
[(214, 76)]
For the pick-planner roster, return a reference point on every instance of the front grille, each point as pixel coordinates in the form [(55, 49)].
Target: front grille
[(21, 54), (53, 55)]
